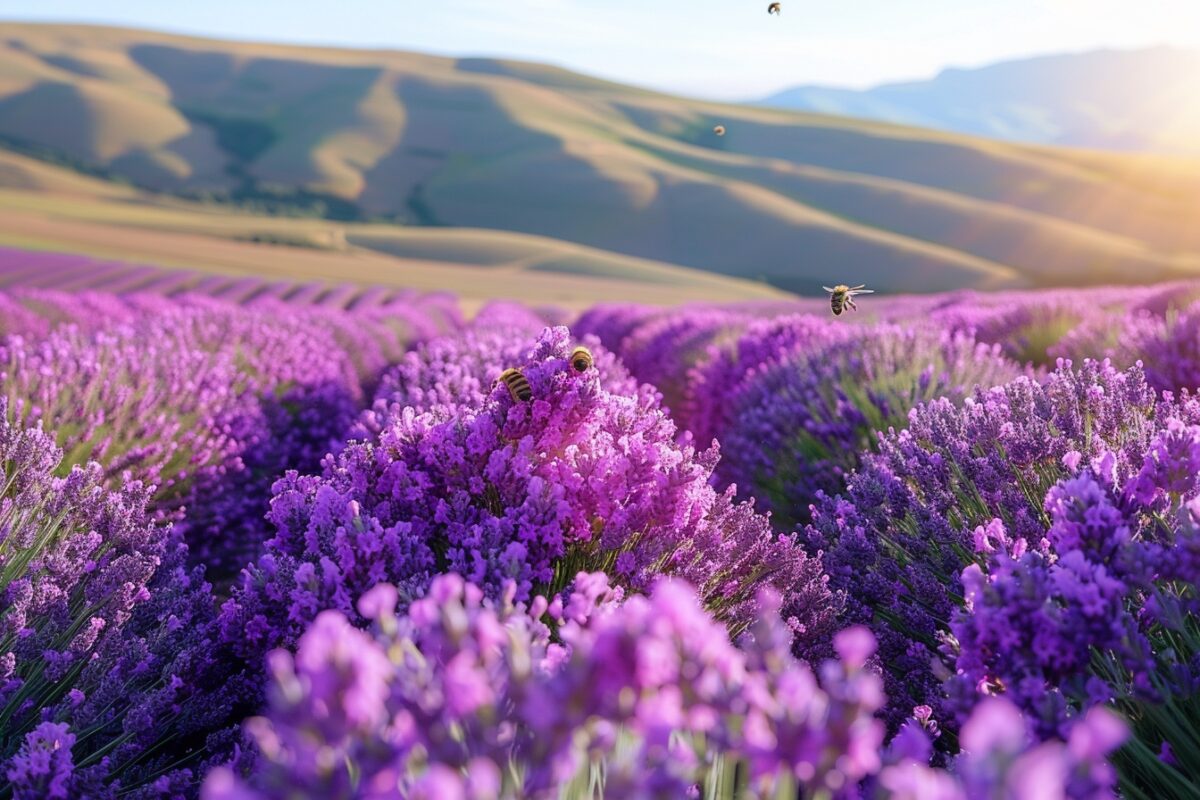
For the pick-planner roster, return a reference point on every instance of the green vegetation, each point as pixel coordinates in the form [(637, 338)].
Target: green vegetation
[(243, 138), (250, 196), (59, 159), (422, 212)]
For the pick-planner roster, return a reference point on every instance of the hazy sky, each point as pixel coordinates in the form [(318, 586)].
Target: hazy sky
[(718, 48)]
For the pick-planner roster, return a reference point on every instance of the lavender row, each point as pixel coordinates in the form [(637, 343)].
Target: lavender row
[(206, 402), (645, 696), (31, 271), (1024, 555), (502, 490), (1037, 542), (108, 665)]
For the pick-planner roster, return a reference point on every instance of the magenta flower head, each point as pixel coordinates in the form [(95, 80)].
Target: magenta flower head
[(469, 697), (505, 490), (854, 646), (379, 603), (345, 676)]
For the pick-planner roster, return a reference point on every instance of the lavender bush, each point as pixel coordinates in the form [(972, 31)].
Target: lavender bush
[(1103, 609), (708, 409), (458, 371), (662, 350), (108, 681), (983, 562), (797, 423), (1167, 346), (1026, 330), (529, 492), (206, 402), (1022, 541), (466, 698)]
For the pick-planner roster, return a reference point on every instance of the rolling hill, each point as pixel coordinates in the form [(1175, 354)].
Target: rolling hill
[(459, 161), (1137, 100), (46, 207)]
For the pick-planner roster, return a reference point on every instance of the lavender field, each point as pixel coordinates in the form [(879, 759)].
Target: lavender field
[(263, 540)]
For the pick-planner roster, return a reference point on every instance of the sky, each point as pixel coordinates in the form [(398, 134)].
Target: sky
[(723, 49)]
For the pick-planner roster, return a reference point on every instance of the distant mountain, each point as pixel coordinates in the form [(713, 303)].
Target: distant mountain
[(407, 141), (1136, 100)]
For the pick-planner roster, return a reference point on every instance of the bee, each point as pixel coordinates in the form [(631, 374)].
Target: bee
[(517, 383), (581, 359), (719, 130), (775, 8), (841, 296)]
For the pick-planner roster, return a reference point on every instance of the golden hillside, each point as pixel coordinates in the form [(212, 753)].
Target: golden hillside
[(391, 141)]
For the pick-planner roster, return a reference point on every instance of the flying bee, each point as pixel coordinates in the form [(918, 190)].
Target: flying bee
[(517, 384), (775, 8), (841, 296), (581, 359), (719, 130)]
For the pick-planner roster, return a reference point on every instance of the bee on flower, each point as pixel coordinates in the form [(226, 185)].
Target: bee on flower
[(517, 384), (581, 359)]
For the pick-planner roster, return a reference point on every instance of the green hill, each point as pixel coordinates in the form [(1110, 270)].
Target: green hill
[(393, 138)]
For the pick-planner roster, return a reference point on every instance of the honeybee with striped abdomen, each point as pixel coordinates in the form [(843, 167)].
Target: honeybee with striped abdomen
[(841, 296), (517, 384), (581, 359)]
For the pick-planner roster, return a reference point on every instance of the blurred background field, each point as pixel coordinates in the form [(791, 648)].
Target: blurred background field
[(503, 178)]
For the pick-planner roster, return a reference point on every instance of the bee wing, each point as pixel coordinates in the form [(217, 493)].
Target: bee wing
[(826, 288), (862, 291)]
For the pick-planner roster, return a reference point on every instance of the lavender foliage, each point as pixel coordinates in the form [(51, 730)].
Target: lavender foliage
[(1025, 553), (206, 402), (109, 681), (465, 697), (798, 422), (527, 492)]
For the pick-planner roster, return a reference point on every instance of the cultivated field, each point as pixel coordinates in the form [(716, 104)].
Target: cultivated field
[(265, 539)]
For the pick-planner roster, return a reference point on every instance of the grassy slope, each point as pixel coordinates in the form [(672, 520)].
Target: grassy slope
[(53, 208), (795, 199)]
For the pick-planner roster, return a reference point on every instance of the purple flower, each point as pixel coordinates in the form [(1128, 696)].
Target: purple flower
[(104, 629), (206, 402), (969, 484), (524, 492), (470, 685), (43, 767), (663, 350), (346, 678), (797, 422), (1028, 329), (649, 686), (1000, 758)]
